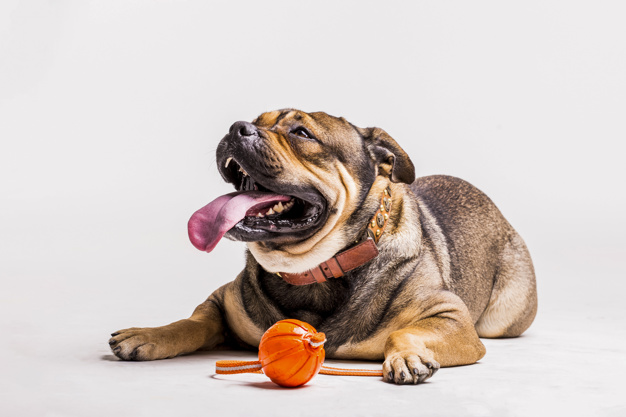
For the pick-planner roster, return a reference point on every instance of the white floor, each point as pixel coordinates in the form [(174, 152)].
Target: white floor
[(56, 361), (110, 113)]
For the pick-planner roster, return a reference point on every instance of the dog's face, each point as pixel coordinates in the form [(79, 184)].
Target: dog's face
[(305, 178)]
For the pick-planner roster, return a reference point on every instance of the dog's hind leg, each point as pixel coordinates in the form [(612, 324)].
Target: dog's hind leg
[(203, 330), (513, 303)]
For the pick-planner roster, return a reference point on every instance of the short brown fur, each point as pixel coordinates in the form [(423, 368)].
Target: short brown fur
[(450, 267)]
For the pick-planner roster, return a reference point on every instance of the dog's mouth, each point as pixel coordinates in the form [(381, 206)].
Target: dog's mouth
[(255, 212), (293, 214)]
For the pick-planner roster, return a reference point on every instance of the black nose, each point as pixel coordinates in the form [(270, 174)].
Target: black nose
[(243, 130)]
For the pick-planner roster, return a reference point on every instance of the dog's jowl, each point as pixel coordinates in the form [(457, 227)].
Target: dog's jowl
[(340, 234)]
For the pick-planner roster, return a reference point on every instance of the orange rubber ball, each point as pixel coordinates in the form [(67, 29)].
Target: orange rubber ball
[(291, 352)]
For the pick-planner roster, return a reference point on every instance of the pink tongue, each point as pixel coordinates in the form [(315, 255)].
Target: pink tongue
[(207, 225)]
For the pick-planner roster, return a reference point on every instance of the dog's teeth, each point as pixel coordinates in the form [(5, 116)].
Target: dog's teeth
[(260, 215), (245, 174), (270, 211), (228, 162), (278, 208)]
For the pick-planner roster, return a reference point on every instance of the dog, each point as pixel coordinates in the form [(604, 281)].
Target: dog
[(340, 234)]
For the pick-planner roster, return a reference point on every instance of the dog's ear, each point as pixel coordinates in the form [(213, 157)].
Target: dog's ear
[(389, 156)]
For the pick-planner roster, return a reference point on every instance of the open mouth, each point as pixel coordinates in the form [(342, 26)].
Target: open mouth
[(293, 214), (256, 212)]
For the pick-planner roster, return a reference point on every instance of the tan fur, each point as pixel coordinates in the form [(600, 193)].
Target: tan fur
[(237, 319), (301, 256), (450, 267), (513, 303)]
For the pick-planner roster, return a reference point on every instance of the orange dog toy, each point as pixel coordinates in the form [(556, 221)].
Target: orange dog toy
[(291, 352)]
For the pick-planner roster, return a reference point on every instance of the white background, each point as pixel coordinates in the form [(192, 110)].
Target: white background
[(110, 113)]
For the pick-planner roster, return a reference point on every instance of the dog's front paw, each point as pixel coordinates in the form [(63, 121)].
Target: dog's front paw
[(409, 367), (138, 344)]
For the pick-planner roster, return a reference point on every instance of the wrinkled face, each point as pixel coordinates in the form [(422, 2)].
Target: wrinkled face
[(319, 161), (301, 180)]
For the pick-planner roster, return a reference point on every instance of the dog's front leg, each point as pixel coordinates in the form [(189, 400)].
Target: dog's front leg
[(203, 330), (445, 338)]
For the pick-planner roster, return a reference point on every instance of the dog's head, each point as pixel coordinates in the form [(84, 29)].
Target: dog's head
[(306, 184)]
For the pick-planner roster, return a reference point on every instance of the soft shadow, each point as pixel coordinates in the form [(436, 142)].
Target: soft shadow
[(110, 358), (266, 385)]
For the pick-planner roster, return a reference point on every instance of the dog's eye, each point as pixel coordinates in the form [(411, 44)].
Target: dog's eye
[(302, 132)]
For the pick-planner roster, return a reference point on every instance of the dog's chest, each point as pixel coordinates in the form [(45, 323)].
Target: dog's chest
[(313, 303), (345, 312)]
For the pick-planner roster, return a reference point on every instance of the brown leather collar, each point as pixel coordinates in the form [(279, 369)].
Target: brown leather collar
[(351, 258)]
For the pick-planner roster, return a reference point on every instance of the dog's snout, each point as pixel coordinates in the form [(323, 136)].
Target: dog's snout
[(243, 130)]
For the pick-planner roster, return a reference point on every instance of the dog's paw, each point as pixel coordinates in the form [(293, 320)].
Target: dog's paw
[(409, 367), (138, 344)]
